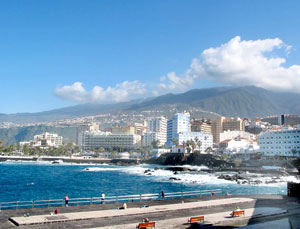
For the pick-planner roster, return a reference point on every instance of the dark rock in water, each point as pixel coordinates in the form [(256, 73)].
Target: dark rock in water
[(190, 159), (244, 182), (175, 172), (174, 178), (147, 171), (149, 174)]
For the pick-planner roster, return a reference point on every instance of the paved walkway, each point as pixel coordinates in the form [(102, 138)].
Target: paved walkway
[(221, 218), (42, 219)]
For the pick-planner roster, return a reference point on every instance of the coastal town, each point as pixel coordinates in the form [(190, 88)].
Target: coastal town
[(273, 140)]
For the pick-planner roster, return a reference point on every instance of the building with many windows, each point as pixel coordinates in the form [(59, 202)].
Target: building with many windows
[(280, 142), (150, 137), (178, 123), (98, 139), (222, 124), (157, 131), (44, 140), (86, 126), (200, 125), (202, 141)]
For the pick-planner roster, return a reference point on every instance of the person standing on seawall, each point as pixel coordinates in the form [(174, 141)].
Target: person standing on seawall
[(66, 200), (162, 194), (102, 197)]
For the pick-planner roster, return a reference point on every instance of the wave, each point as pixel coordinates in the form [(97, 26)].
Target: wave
[(97, 169), (159, 173)]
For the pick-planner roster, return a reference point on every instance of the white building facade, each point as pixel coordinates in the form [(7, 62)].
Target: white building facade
[(48, 139), (284, 142), (97, 139), (157, 131), (149, 137), (204, 140), (178, 123)]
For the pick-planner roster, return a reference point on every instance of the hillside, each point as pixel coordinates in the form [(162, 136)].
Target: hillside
[(17, 134), (248, 101)]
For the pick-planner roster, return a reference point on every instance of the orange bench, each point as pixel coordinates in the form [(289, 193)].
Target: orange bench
[(146, 225), (238, 213), (196, 218)]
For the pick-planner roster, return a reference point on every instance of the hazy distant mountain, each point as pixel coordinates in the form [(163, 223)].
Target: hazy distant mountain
[(245, 101)]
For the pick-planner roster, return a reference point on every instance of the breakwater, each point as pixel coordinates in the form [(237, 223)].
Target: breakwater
[(83, 160)]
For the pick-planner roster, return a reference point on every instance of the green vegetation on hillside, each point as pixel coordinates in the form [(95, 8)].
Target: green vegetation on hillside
[(17, 134)]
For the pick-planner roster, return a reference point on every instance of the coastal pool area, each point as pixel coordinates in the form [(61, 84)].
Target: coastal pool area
[(22, 181)]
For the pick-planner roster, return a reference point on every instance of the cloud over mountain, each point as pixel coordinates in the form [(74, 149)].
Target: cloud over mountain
[(121, 92), (239, 63)]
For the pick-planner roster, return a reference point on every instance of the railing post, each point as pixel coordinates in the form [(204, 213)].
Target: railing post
[(17, 203), (32, 204), (117, 199), (91, 200), (140, 197), (48, 203), (62, 203)]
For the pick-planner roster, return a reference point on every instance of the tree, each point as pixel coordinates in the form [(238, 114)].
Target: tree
[(193, 145), (198, 143), (175, 141), (155, 143)]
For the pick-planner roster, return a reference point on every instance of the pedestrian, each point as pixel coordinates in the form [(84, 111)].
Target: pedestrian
[(162, 194), (66, 200), (56, 211), (102, 197)]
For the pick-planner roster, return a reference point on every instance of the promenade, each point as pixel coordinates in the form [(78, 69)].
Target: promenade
[(171, 213)]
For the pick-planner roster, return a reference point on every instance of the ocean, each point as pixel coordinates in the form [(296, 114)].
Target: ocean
[(23, 181)]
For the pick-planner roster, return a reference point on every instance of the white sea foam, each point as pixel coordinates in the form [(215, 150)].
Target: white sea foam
[(160, 174), (98, 169)]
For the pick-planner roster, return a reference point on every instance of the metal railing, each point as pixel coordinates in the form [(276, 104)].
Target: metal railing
[(108, 199)]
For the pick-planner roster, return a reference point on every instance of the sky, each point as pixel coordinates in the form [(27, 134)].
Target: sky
[(62, 53)]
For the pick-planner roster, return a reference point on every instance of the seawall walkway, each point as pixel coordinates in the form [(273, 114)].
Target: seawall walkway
[(171, 213)]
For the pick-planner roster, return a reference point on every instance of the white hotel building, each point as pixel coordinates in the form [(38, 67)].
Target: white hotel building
[(284, 142), (205, 139), (106, 140), (157, 131)]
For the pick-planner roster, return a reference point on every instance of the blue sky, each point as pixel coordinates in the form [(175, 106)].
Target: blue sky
[(61, 53)]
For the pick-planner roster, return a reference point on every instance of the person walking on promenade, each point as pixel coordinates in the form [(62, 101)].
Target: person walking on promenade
[(102, 197), (162, 194), (66, 200)]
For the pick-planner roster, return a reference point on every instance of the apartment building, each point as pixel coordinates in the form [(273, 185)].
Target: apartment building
[(280, 142), (123, 130), (222, 124), (204, 140), (97, 139), (83, 127), (178, 123), (48, 139), (200, 125), (149, 137)]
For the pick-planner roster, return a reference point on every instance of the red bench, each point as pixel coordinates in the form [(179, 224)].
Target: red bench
[(146, 225), (196, 218), (238, 213)]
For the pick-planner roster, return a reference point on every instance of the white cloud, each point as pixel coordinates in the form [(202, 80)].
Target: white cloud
[(237, 62), (120, 93), (240, 63)]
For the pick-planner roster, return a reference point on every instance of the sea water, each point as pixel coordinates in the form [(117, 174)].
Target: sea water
[(22, 181)]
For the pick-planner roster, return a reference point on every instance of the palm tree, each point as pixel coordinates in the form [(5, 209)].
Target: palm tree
[(193, 145), (175, 141), (198, 143)]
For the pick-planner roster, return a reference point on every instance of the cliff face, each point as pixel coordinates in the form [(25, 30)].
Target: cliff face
[(190, 159)]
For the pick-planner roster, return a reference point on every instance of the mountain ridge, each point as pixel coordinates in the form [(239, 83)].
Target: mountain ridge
[(246, 101)]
